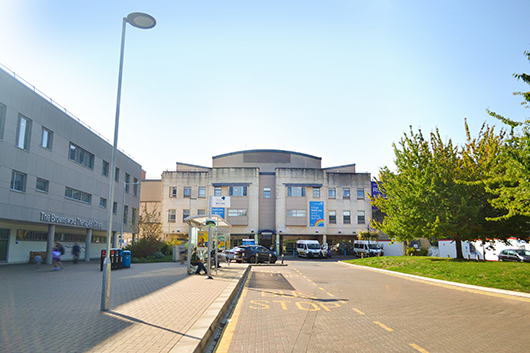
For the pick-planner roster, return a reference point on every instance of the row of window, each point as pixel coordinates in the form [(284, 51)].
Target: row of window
[(201, 191), (32, 235)]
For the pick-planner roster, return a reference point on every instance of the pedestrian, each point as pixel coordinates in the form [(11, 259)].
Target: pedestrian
[(182, 252), (75, 252), (195, 260), (37, 261), (57, 251)]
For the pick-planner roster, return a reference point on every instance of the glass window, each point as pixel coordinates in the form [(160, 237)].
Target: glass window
[(47, 138), (202, 191), (346, 193), (127, 182), (201, 212), (360, 217), (42, 185), (237, 191), (185, 213), (23, 132), (218, 191), (172, 216), (332, 217), (125, 214), (232, 212), (135, 187), (102, 202), (316, 193), (105, 170), (187, 191), (81, 156), (346, 217), (115, 208), (2, 120), (134, 215), (117, 176), (18, 181), (332, 193), (296, 213), (77, 195), (172, 191), (296, 191), (266, 193), (360, 193)]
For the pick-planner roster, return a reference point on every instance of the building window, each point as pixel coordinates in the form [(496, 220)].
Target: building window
[(202, 192), (77, 195), (218, 191), (81, 156), (296, 191), (2, 120), (346, 217), (172, 216), (237, 191), (23, 132), (127, 182), (125, 214), (316, 193), (105, 170), (360, 193), (232, 212), (187, 191), (266, 193), (135, 187), (185, 214), (42, 185), (18, 181), (47, 138), (332, 217), (172, 191), (114, 207), (346, 193), (332, 193), (102, 202), (31, 235), (134, 215), (117, 176), (360, 217), (296, 213), (201, 212)]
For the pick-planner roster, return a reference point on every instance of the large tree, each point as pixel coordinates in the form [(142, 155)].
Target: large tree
[(437, 190)]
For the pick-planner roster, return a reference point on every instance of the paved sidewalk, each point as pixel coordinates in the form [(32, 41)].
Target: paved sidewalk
[(152, 308)]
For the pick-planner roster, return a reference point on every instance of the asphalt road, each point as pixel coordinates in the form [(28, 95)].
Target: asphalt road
[(325, 306)]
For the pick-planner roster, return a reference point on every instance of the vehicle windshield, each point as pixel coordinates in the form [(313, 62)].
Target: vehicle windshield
[(374, 246), (313, 246), (523, 252)]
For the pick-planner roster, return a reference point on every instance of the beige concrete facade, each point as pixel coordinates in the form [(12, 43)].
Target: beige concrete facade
[(274, 195)]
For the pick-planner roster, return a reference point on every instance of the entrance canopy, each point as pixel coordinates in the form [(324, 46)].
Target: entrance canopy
[(200, 221)]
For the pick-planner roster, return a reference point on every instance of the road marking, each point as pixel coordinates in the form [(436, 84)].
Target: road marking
[(228, 334), (284, 307), (358, 311), (383, 326), (321, 288), (328, 293), (415, 346)]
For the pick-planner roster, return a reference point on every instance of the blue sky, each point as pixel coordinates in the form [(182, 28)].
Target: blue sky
[(341, 80)]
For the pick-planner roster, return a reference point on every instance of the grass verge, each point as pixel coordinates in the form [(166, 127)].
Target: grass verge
[(501, 275)]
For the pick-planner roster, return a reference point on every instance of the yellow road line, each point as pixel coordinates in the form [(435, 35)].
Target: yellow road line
[(358, 311), (383, 326), (331, 295), (415, 346), (228, 334), (321, 288)]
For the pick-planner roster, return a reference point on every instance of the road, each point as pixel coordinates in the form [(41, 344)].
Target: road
[(326, 306)]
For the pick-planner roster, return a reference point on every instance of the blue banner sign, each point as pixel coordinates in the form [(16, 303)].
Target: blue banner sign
[(218, 211), (316, 213)]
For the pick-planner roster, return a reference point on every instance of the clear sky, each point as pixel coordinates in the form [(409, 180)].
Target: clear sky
[(341, 80)]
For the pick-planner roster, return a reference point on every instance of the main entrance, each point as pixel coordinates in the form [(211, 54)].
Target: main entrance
[(4, 239)]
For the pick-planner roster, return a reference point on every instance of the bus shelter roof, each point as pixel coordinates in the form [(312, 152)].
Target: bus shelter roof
[(200, 221)]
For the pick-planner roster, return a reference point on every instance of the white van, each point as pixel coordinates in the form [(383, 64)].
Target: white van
[(368, 248), (308, 248)]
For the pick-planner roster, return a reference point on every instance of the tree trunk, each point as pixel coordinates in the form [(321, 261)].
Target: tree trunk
[(458, 243)]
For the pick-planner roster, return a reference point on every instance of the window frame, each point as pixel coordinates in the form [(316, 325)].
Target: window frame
[(361, 217), (3, 110), (48, 142), (127, 182), (45, 182), (172, 216), (105, 167), (185, 213), (237, 191), (125, 214), (84, 197), (201, 192), (25, 131), (332, 217), (346, 217), (267, 193), (77, 154), (332, 193), (316, 193), (21, 182), (297, 213), (239, 212), (187, 192), (296, 191), (346, 194), (103, 202), (360, 196), (218, 191)]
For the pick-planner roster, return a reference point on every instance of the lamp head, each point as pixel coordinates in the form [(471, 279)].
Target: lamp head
[(141, 20)]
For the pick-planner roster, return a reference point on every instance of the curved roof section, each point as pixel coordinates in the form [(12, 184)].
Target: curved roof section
[(266, 160), (266, 151)]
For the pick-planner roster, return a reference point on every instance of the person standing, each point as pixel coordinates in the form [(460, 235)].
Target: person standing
[(75, 252)]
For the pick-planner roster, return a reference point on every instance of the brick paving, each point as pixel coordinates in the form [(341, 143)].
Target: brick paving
[(152, 307), (339, 308)]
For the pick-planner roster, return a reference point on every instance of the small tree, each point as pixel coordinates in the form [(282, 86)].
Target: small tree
[(149, 224)]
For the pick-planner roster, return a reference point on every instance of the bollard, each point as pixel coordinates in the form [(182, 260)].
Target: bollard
[(468, 257), (256, 259), (345, 253), (362, 255), (294, 253), (269, 259), (282, 259)]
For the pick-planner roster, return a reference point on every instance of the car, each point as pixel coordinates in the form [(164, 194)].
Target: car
[(519, 255), (251, 253), (229, 254)]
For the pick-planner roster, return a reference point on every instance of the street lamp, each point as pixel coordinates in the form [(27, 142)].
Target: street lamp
[(142, 21)]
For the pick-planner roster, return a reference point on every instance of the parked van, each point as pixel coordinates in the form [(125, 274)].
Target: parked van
[(368, 248), (308, 248)]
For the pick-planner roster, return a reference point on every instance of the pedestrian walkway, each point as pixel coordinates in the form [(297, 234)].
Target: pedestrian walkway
[(152, 308)]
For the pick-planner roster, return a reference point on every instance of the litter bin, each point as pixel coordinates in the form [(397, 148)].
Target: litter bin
[(115, 259), (102, 259), (126, 256)]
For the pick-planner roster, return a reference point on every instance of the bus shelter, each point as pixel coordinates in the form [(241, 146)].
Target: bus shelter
[(202, 229)]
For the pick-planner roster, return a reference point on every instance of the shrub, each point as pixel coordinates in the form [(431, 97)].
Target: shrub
[(144, 248), (417, 252)]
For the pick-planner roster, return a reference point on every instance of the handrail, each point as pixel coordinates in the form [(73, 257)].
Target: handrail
[(70, 114)]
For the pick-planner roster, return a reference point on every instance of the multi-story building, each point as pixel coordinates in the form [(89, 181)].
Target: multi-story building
[(276, 197), (54, 178)]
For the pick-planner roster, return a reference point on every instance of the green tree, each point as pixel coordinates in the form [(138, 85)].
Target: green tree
[(511, 183), (149, 224)]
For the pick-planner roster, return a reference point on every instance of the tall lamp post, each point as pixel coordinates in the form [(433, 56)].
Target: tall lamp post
[(142, 21)]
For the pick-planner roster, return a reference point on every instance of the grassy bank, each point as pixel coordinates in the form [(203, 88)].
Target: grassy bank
[(502, 275)]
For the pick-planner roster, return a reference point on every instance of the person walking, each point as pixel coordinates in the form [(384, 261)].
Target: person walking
[(76, 249), (57, 251)]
